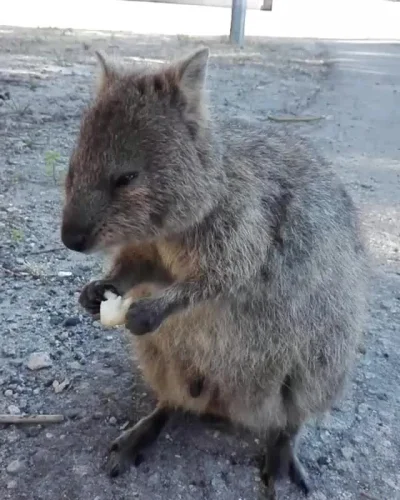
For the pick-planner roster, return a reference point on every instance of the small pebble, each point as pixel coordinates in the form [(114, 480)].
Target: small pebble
[(154, 479), (60, 386), (8, 393), (55, 320), (15, 466), (64, 274), (73, 413), (362, 408), (12, 436), (23, 403), (41, 457), (71, 321), (13, 410), (362, 349), (112, 420), (11, 485), (347, 452), (74, 365), (108, 391), (80, 357), (39, 360), (16, 362), (9, 352), (357, 439), (33, 431)]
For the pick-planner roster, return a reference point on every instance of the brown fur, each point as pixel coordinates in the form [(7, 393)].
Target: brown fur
[(170, 377), (252, 238)]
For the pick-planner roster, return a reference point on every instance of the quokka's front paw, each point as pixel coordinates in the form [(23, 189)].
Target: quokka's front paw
[(93, 293), (145, 316)]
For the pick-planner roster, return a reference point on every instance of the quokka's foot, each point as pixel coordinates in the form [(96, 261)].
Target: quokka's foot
[(127, 447), (281, 460)]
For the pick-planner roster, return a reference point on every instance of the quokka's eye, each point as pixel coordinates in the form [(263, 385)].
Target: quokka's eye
[(126, 179)]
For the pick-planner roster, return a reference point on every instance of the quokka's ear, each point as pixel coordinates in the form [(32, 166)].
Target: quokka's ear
[(108, 72), (192, 71)]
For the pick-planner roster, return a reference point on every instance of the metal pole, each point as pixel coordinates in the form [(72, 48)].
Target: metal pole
[(238, 18), (267, 5)]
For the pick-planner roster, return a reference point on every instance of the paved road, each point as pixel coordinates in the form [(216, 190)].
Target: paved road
[(362, 96)]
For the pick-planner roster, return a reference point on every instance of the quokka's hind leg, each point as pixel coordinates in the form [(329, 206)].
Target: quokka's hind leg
[(129, 444), (280, 459)]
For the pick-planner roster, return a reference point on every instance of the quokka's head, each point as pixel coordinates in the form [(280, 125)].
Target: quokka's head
[(144, 165)]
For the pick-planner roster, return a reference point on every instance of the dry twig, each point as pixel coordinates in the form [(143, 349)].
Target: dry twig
[(47, 250), (291, 118), (30, 419)]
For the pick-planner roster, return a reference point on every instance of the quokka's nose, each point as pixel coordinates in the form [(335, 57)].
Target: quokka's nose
[(74, 238)]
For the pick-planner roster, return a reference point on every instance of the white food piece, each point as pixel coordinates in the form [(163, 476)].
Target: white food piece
[(113, 309)]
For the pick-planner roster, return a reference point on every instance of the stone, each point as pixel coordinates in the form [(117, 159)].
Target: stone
[(15, 466), (75, 365), (60, 386), (323, 460), (64, 274), (42, 457), (363, 408), (12, 437), (154, 479), (71, 321), (13, 410), (39, 360), (73, 413), (347, 452)]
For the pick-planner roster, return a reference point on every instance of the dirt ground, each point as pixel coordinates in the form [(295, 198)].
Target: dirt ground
[(46, 79)]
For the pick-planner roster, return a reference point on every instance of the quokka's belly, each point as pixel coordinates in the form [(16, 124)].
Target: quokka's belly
[(177, 355), (198, 344), (169, 371)]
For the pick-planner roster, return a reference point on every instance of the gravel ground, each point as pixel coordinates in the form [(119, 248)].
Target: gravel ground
[(54, 359)]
